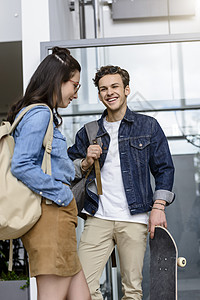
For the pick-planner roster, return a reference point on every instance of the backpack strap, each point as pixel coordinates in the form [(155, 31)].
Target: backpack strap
[(10, 263), (92, 129), (47, 142), (98, 177)]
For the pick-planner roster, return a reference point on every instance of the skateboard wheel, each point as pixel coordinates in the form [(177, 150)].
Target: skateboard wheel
[(181, 262)]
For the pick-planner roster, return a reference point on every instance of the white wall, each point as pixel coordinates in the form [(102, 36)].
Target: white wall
[(46, 20), (35, 29), (10, 20), (63, 22)]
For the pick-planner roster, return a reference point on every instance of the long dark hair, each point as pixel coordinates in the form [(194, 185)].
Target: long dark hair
[(45, 84)]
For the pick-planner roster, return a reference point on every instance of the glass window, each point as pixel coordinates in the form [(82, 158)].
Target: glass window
[(164, 84)]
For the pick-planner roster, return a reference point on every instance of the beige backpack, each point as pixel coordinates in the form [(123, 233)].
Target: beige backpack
[(20, 208)]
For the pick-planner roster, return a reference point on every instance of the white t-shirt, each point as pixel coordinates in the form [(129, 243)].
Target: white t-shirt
[(113, 203)]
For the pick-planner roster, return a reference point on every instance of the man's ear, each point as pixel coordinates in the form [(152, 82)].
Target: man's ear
[(127, 90), (99, 96)]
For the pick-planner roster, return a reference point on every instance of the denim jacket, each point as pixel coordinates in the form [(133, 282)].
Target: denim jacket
[(143, 148), (28, 155)]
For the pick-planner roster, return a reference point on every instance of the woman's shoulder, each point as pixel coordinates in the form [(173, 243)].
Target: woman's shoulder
[(37, 110), (36, 116)]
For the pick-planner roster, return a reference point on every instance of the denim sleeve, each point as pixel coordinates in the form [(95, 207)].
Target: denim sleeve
[(79, 149), (26, 161), (161, 165)]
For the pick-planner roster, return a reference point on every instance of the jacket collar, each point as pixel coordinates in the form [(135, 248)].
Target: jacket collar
[(129, 117)]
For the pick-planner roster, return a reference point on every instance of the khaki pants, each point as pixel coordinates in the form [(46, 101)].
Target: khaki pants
[(97, 242)]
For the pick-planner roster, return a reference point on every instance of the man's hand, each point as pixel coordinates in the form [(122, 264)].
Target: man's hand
[(157, 217), (93, 152)]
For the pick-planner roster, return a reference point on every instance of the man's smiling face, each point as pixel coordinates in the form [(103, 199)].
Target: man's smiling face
[(112, 92)]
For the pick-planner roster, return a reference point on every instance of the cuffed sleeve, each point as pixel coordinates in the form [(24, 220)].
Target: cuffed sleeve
[(164, 195)]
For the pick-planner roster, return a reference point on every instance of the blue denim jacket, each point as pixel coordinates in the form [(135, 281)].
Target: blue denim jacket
[(28, 155), (143, 147)]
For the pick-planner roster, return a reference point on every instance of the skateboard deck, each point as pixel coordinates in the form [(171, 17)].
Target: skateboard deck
[(163, 265)]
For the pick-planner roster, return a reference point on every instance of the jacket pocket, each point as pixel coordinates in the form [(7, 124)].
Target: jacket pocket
[(59, 145), (140, 148)]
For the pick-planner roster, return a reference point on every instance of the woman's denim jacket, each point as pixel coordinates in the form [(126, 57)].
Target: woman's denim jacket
[(28, 155), (143, 148)]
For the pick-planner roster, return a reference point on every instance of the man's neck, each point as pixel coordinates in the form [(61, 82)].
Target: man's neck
[(114, 116)]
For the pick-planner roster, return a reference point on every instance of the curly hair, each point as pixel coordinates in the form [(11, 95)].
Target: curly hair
[(110, 70)]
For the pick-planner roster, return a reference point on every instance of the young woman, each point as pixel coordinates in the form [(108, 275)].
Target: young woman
[(51, 243)]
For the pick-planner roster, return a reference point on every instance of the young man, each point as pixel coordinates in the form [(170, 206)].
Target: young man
[(132, 145)]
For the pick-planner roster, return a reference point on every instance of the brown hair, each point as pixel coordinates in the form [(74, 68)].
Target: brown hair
[(109, 70), (46, 82)]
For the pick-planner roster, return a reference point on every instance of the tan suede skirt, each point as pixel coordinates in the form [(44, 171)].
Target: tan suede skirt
[(51, 243)]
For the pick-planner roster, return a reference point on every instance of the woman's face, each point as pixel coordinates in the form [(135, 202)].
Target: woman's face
[(69, 90)]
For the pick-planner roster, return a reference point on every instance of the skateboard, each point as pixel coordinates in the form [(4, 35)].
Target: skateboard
[(163, 265)]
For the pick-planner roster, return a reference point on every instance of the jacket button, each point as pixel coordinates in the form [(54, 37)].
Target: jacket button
[(140, 145), (93, 211), (90, 179)]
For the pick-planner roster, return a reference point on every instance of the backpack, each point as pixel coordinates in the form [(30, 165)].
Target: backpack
[(20, 208), (78, 185)]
